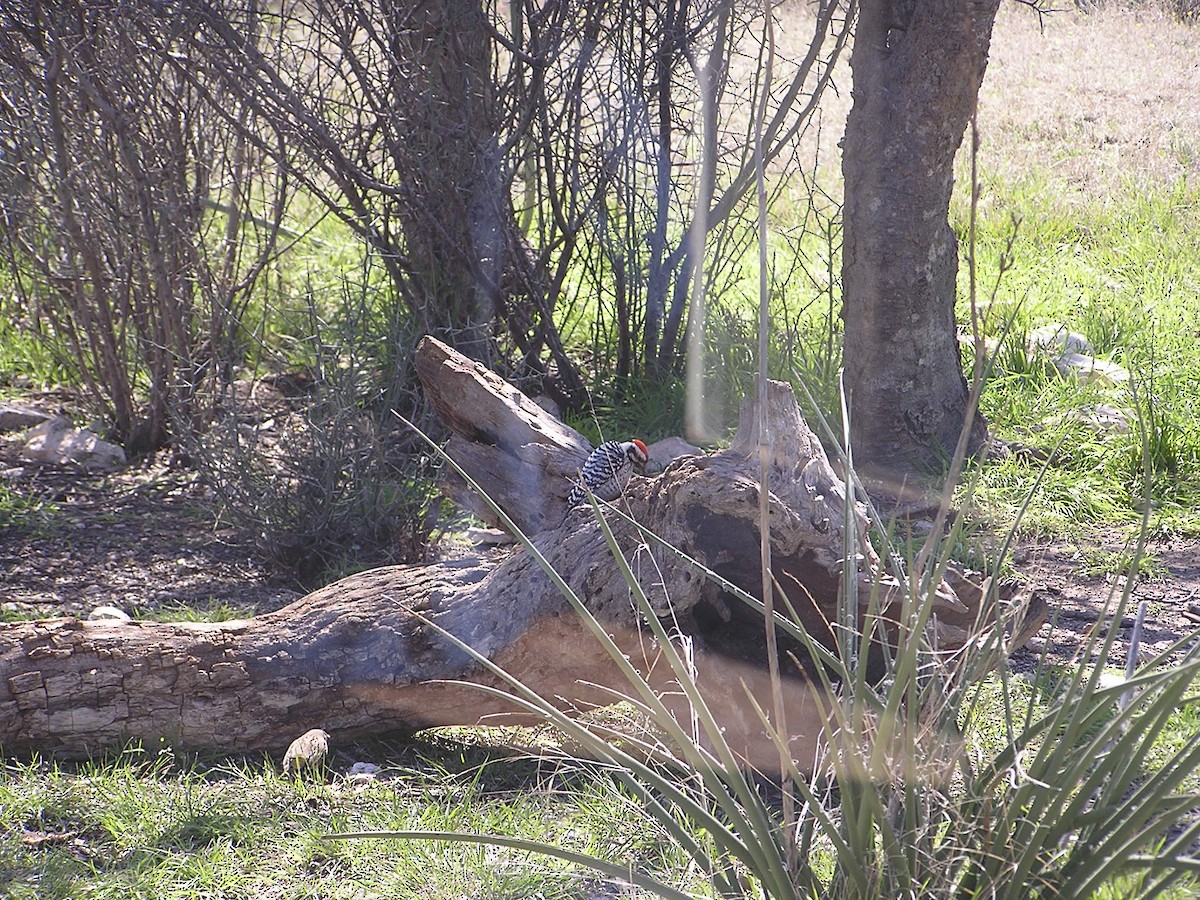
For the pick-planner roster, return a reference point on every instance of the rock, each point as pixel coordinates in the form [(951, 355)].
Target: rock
[(14, 417), (109, 614), (1105, 418), (489, 537), (56, 442), (1073, 355), (548, 404), (1058, 340), (1036, 645), (308, 751), (1089, 368), (666, 451), (363, 773)]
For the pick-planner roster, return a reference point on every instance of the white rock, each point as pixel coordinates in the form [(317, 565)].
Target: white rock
[(1105, 418), (548, 405), (108, 614), (363, 773), (1109, 679), (1073, 355), (1060, 340), (56, 442), (489, 537), (1089, 368)]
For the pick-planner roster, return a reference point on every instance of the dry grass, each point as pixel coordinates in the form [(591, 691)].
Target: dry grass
[(1090, 101), (1093, 101)]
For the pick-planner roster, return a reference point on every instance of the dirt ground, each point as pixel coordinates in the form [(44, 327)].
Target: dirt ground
[(143, 540), (1079, 603)]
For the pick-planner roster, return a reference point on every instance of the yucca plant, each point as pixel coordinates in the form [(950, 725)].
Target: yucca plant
[(918, 796), (942, 776)]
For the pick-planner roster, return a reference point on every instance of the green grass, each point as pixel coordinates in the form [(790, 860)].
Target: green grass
[(207, 611), (1116, 563), (150, 825), (27, 515), (1125, 272), (639, 409), (26, 361)]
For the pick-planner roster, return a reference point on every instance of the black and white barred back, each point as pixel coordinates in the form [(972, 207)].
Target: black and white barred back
[(607, 470)]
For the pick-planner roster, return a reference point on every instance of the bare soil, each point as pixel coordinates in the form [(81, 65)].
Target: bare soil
[(1081, 603), (142, 540)]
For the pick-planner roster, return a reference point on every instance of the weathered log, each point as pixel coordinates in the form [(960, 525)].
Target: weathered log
[(525, 458), (350, 658), (359, 655)]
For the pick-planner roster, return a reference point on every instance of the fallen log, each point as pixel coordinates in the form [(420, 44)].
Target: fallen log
[(362, 655)]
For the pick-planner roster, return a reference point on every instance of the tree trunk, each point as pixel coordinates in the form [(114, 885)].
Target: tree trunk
[(361, 656), (917, 68), (471, 263), (453, 216)]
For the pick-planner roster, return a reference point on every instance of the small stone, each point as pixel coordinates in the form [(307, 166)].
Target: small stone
[(1104, 418), (548, 405), (1059, 340), (1088, 368), (1036, 645), (109, 614), (1111, 679), (307, 751), (363, 773), (489, 537), (1073, 355)]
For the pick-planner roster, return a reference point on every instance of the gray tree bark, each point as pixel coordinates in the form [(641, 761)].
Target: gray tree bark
[(917, 68), (362, 656), (453, 217)]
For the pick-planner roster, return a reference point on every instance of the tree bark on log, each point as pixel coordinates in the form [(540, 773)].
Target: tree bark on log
[(359, 656)]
